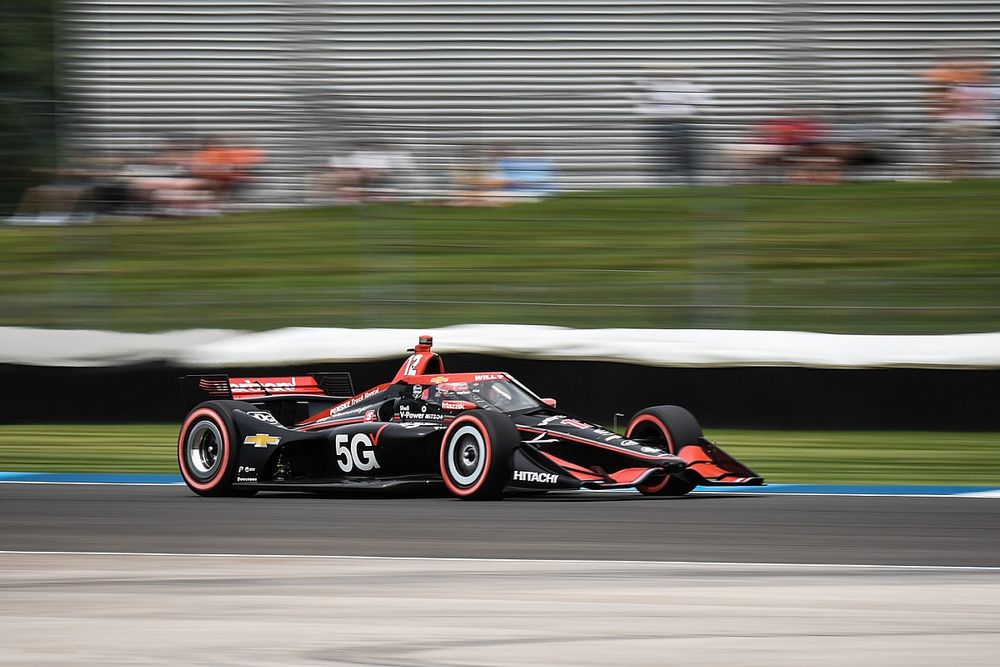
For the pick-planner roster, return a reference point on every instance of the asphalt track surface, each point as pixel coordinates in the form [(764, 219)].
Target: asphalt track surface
[(152, 575), (698, 528)]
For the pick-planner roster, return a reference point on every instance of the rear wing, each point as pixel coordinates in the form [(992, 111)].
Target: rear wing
[(199, 388)]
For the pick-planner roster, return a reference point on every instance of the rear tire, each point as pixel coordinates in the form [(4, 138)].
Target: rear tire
[(671, 427), (206, 449), (475, 455)]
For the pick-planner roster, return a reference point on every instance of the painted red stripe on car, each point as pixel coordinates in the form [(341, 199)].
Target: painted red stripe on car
[(563, 436)]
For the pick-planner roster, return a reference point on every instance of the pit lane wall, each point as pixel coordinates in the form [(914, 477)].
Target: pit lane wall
[(727, 378)]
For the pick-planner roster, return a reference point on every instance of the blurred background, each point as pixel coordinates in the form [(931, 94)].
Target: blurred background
[(818, 165)]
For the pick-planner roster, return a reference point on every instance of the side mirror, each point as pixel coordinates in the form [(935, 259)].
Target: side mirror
[(551, 402)]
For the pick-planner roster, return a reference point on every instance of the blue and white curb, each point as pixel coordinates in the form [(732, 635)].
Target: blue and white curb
[(151, 479), (89, 478), (857, 490)]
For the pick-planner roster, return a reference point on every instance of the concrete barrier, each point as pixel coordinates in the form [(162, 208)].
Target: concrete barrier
[(700, 348)]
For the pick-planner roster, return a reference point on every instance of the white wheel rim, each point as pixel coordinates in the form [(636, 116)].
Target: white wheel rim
[(466, 455)]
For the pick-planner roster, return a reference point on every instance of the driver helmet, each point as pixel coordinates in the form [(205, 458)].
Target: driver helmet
[(449, 389)]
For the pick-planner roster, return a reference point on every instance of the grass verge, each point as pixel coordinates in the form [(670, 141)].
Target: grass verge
[(856, 258), (884, 457)]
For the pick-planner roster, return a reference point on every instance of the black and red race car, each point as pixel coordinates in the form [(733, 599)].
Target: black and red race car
[(479, 434)]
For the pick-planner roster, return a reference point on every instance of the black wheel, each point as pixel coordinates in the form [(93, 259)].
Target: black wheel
[(672, 427), (206, 449), (475, 455)]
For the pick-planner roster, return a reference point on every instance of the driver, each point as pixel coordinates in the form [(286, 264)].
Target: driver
[(452, 389)]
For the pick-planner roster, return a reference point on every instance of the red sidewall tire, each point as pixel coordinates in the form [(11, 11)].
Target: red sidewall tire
[(218, 482), (488, 439), (677, 427), (450, 441), (660, 488), (640, 419)]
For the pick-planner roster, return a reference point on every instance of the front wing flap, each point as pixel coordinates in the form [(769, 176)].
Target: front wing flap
[(710, 465)]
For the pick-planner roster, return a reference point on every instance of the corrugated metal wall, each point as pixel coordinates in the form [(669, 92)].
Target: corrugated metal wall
[(306, 78)]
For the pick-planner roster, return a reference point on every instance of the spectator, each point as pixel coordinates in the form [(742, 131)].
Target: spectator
[(670, 105), (856, 139), (792, 144), (510, 176), (524, 176), (75, 194), (371, 172), (161, 184), (66, 199), (183, 178), (960, 103), (225, 168)]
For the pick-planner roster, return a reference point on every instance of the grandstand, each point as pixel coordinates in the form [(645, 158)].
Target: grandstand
[(307, 78)]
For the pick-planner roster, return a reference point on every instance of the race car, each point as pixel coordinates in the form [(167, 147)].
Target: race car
[(479, 435)]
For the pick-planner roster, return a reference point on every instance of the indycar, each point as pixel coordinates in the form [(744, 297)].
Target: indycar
[(479, 435)]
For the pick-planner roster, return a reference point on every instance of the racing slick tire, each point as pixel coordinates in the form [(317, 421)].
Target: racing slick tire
[(475, 455), (674, 427), (206, 453)]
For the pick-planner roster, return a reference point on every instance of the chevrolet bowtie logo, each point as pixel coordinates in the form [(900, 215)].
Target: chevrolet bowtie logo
[(261, 440)]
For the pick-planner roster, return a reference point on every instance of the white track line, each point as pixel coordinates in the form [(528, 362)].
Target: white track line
[(982, 494), (975, 494), (555, 561)]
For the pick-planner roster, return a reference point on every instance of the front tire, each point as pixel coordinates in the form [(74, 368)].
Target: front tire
[(475, 455), (206, 454), (671, 427)]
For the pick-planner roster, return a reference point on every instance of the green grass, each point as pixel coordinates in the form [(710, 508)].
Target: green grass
[(867, 457), (890, 457), (89, 448), (871, 258)]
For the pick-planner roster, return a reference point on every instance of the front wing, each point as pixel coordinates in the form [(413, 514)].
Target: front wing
[(703, 463)]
